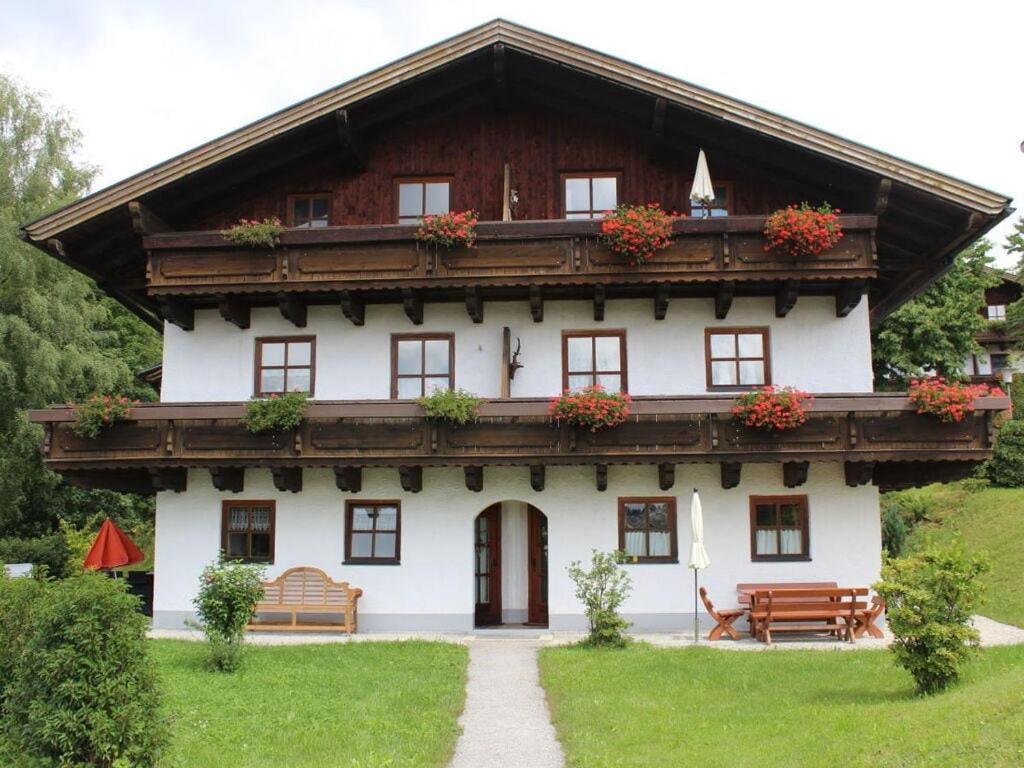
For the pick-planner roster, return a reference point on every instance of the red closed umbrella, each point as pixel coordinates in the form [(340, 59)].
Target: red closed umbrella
[(112, 548)]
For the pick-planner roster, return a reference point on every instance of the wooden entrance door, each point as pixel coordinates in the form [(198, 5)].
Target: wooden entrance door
[(487, 566), (537, 554)]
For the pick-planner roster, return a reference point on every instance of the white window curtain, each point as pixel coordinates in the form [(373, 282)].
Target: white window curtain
[(767, 543), (659, 544), (791, 541), (636, 544)]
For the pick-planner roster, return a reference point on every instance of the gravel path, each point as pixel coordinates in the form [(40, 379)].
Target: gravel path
[(506, 723)]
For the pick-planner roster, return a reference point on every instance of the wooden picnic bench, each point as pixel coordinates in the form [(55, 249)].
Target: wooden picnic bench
[(823, 609), (308, 591)]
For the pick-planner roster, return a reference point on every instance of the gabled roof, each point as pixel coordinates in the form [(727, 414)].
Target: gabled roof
[(541, 45)]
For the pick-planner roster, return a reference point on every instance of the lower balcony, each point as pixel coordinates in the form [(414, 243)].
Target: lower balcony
[(878, 437)]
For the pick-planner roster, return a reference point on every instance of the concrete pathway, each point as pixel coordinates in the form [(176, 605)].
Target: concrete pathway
[(506, 723)]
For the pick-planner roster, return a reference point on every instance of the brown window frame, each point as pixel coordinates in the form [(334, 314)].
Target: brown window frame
[(597, 174), (292, 199), (226, 507), (397, 559), (673, 529), (766, 338), (805, 530), (730, 200), (623, 372), (397, 337), (399, 180), (286, 340)]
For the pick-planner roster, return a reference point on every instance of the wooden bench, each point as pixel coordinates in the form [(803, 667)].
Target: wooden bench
[(746, 590), (831, 610), (308, 591)]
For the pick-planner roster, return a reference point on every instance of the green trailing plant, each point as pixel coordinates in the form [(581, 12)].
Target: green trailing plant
[(276, 413), (455, 406), (255, 233), (930, 598), (225, 604), (99, 412), (602, 589), (1006, 467)]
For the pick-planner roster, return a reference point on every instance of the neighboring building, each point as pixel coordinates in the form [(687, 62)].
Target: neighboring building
[(446, 527), (996, 364)]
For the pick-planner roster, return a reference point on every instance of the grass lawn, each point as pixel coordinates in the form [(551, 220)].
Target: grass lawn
[(345, 706), (651, 707), (990, 521)]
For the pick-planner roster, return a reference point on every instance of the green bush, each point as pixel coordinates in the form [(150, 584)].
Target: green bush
[(931, 597), (50, 552), (228, 593), (602, 590), (894, 531), (17, 598), (82, 690), (1015, 389), (277, 413), (1006, 467), (456, 406)]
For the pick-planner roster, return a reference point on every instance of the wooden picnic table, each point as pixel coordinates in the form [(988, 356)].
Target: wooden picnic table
[(807, 607)]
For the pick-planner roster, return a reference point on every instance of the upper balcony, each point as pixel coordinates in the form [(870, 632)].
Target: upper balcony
[(534, 260)]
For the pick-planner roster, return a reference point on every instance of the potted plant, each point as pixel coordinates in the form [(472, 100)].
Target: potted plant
[(800, 230), (592, 408), (449, 229), (455, 406), (255, 233), (773, 409), (636, 232), (950, 401), (276, 413), (99, 412)]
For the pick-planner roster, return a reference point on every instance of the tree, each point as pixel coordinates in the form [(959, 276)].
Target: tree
[(1015, 242), (935, 331), (60, 337)]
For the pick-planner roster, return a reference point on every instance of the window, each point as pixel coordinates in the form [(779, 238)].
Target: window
[(996, 311), (588, 196), (719, 206), (309, 211), (778, 528), (247, 530), (1000, 361), (647, 529), (423, 197), (285, 364), (372, 532), (590, 358), (737, 357), (421, 363)]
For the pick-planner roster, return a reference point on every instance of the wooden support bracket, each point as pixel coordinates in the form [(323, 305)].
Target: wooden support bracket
[(848, 296), (144, 221), (536, 303), (293, 308), (474, 304), (537, 477), (234, 309), (666, 476), (177, 311), (601, 476), (723, 298), (352, 307), (794, 473), (169, 478), (858, 472), (411, 479), (660, 302), (474, 478), (412, 302), (349, 479), (731, 474), (287, 478), (228, 478), (599, 298), (786, 296)]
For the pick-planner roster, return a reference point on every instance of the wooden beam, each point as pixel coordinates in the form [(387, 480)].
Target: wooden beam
[(601, 476), (786, 296), (660, 301), (858, 472), (474, 478), (536, 304), (412, 302), (657, 137), (848, 296), (287, 478), (599, 298), (234, 309), (474, 304), (666, 476), (794, 473), (723, 298), (499, 75), (169, 478), (731, 473), (349, 479), (177, 311), (537, 477), (882, 196), (293, 308), (411, 479), (352, 307), (228, 478), (348, 139), (144, 221)]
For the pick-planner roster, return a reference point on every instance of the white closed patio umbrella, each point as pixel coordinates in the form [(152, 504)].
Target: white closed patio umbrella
[(698, 555), (702, 191)]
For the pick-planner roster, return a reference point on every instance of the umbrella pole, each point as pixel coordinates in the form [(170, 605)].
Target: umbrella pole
[(696, 635)]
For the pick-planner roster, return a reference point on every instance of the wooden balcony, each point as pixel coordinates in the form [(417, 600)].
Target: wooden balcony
[(528, 259), (878, 437)]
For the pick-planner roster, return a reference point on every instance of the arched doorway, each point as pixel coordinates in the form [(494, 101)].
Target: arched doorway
[(510, 565)]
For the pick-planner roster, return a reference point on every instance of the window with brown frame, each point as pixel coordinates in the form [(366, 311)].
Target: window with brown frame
[(647, 529), (594, 357), (419, 197), (778, 528), (309, 211), (285, 364), (247, 530), (720, 206), (421, 363), (373, 532), (588, 195), (737, 358)]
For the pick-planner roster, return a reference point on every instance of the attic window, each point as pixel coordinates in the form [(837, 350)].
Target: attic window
[(309, 211), (423, 197), (719, 206), (589, 195), (996, 311)]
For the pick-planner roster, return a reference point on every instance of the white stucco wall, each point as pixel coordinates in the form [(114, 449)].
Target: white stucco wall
[(433, 586), (810, 348)]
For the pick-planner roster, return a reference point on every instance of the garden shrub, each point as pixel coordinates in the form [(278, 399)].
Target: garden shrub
[(17, 598), (49, 552), (82, 691), (894, 531), (456, 406), (228, 593), (277, 413), (1006, 467), (602, 590), (931, 597)]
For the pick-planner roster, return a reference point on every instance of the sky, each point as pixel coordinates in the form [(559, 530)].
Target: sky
[(937, 83)]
